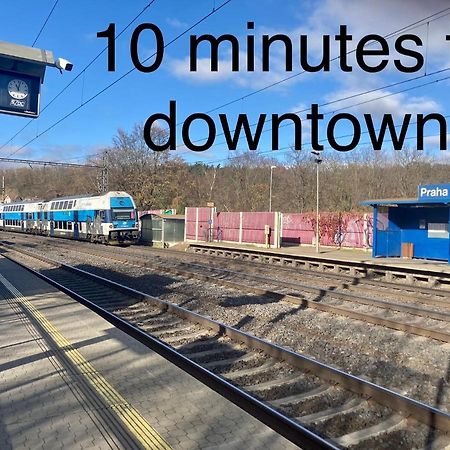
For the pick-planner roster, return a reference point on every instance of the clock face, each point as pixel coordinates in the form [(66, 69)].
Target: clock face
[(18, 89)]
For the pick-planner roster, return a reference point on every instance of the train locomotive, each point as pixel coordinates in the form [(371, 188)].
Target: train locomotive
[(110, 218)]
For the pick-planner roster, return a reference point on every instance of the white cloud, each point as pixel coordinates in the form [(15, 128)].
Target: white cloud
[(176, 23), (433, 142), (382, 102)]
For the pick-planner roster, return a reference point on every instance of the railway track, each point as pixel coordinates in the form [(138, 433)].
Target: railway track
[(430, 323), (327, 276), (389, 274), (318, 405)]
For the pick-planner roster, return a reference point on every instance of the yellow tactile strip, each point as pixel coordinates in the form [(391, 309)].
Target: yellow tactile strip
[(147, 436)]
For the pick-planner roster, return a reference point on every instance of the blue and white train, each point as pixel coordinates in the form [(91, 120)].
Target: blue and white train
[(110, 218)]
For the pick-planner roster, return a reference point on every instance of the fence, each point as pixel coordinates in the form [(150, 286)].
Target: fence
[(342, 230)]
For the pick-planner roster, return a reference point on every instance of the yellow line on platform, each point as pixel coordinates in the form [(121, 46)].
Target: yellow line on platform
[(130, 417)]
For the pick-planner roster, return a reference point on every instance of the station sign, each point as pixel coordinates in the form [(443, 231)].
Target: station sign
[(19, 94), (439, 193)]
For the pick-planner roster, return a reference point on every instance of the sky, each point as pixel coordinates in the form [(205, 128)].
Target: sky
[(71, 33)]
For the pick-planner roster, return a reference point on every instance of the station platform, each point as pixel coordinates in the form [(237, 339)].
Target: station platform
[(69, 379), (344, 254)]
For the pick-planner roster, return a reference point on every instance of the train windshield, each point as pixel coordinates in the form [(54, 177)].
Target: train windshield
[(121, 214)]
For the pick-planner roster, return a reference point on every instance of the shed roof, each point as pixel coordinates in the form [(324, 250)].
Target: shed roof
[(166, 216), (24, 53), (25, 60), (404, 201)]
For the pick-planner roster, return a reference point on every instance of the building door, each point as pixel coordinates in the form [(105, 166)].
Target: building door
[(389, 243)]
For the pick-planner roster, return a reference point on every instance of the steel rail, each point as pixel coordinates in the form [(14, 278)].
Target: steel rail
[(291, 430), (354, 267), (311, 272), (301, 300), (405, 405)]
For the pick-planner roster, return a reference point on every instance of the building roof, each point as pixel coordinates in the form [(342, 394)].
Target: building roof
[(165, 216), (25, 60), (404, 201), (24, 53)]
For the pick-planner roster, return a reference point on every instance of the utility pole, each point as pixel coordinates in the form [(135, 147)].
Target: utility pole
[(104, 180), (318, 160), (270, 187)]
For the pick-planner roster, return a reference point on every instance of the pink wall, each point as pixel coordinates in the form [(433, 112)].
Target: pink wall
[(345, 229), (253, 226), (227, 226)]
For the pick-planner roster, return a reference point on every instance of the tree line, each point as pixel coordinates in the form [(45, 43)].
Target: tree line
[(160, 180)]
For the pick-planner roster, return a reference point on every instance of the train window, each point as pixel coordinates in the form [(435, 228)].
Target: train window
[(69, 225), (121, 215), (74, 203), (66, 204), (70, 205), (52, 205)]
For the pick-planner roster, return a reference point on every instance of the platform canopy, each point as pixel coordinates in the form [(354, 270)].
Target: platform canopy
[(432, 194), (413, 227), (25, 60)]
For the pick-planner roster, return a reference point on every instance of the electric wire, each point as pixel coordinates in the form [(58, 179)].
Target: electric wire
[(430, 18), (81, 73), (45, 22), (435, 16), (93, 97), (349, 97), (326, 113)]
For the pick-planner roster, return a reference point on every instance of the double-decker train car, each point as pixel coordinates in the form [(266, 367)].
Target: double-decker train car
[(109, 218)]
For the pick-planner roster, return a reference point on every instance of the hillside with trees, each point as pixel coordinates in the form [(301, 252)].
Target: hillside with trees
[(164, 180)]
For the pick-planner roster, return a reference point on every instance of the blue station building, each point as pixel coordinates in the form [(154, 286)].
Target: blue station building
[(419, 225)]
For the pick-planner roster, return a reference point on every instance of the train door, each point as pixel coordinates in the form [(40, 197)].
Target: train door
[(52, 223), (45, 223), (39, 219), (22, 221), (76, 230)]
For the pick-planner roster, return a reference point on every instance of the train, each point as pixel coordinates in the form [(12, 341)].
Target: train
[(110, 218)]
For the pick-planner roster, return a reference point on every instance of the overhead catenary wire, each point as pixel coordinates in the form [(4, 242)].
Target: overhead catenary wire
[(45, 23), (113, 83), (349, 97), (429, 19), (330, 112), (436, 16), (80, 74)]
